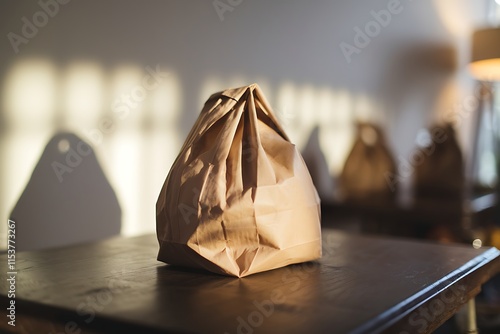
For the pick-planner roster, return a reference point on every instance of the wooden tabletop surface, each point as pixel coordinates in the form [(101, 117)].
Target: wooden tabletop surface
[(361, 285)]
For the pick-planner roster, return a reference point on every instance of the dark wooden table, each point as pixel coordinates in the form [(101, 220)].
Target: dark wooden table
[(361, 285), (416, 218)]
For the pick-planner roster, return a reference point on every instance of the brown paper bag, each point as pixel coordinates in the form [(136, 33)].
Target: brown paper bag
[(363, 177), (441, 173), (238, 199)]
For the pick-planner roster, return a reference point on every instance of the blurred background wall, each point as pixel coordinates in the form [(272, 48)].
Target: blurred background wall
[(82, 70)]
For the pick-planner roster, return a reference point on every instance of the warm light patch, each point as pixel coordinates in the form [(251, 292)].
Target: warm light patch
[(285, 106), (83, 87), (364, 109), (266, 87), (63, 146), (325, 106), (125, 176), (30, 94), (341, 133), (165, 102), (210, 86), (456, 18), (306, 114), (127, 95), (135, 158), (486, 70), (300, 109)]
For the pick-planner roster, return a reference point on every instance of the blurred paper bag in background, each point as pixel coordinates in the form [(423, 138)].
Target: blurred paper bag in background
[(238, 199), (441, 174), (363, 177)]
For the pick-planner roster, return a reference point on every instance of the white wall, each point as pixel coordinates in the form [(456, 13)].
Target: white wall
[(88, 54)]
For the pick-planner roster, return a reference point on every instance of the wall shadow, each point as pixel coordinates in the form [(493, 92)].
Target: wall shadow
[(68, 199)]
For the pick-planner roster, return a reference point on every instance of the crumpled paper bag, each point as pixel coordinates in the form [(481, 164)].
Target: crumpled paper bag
[(238, 199)]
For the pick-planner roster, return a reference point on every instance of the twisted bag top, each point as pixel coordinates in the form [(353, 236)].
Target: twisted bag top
[(238, 199)]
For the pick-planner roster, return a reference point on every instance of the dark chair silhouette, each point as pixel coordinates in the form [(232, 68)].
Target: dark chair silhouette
[(68, 199)]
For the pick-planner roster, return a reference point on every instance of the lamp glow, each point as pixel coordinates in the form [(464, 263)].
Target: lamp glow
[(485, 63)]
